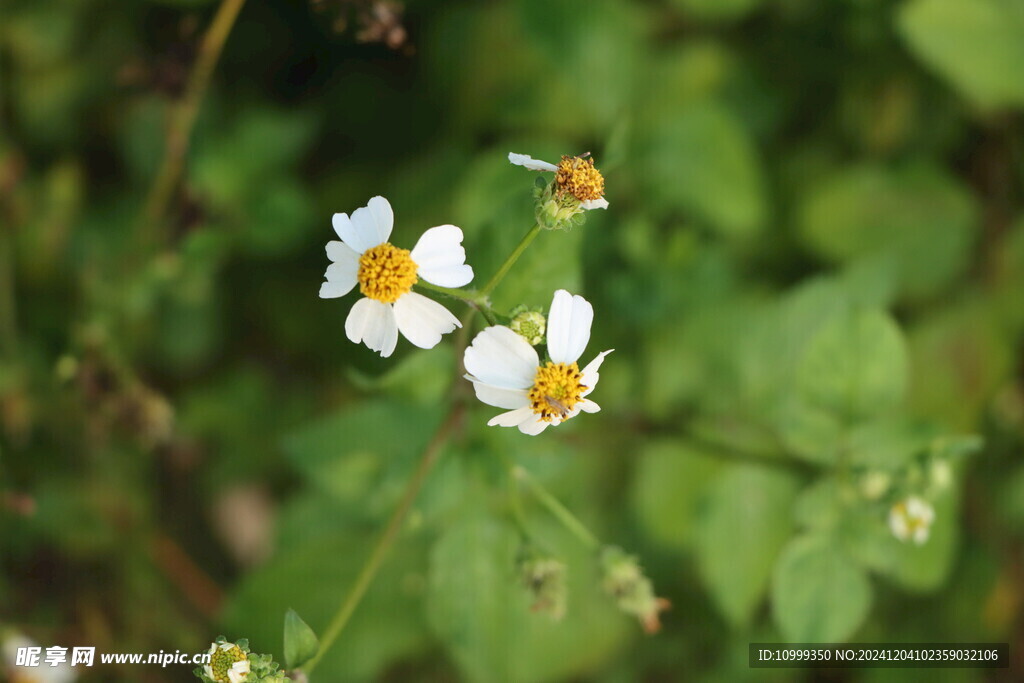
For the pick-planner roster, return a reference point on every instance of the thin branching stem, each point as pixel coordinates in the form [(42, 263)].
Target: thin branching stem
[(183, 119), (555, 507), (510, 261)]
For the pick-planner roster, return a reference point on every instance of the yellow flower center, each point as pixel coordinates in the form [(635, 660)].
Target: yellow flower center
[(556, 390), (578, 177), (386, 273), (222, 660)]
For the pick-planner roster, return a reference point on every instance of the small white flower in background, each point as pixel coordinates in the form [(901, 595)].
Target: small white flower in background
[(911, 519), (574, 176), (228, 663), (507, 373), (385, 275), (34, 667)]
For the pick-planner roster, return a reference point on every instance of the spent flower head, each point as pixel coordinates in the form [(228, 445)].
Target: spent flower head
[(385, 275), (911, 519), (624, 580), (577, 186), (544, 577), (506, 371)]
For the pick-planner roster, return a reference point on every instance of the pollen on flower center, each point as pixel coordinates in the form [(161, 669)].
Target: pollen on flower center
[(221, 661), (556, 390), (578, 177), (386, 273)]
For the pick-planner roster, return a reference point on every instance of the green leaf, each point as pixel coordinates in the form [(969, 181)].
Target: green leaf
[(818, 594), (855, 366), (482, 615), (668, 490), (977, 45), (747, 518), (300, 643), (700, 159), (917, 216)]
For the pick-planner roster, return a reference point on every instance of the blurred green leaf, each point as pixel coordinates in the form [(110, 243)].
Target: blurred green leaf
[(818, 594), (978, 45), (854, 366), (300, 643), (482, 614), (700, 159), (669, 489), (746, 521), (916, 215)]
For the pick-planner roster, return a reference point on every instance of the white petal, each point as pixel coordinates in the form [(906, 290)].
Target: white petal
[(600, 203), (500, 357), (509, 399), (513, 418), (423, 321), (235, 676), (569, 323), (369, 225), (440, 257), (530, 163), (341, 275), (373, 323), (590, 375), (588, 406), (208, 670), (533, 427)]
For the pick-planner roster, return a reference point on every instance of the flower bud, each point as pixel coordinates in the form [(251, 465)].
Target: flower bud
[(624, 580), (530, 325), (874, 484)]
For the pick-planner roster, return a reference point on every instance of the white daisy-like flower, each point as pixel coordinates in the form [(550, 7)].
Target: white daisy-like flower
[(228, 663), (911, 519), (507, 373), (385, 275), (574, 176), (42, 672)]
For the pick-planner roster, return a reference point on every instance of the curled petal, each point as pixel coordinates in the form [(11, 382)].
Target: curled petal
[(568, 326), (530, 163)]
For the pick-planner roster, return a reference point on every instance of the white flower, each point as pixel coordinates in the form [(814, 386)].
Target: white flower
[(41, 672), (228, 663), (385, 275), (506, 371), (911, 519), (574, 176)]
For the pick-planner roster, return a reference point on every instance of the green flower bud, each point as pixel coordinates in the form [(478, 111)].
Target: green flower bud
[(530, 325)]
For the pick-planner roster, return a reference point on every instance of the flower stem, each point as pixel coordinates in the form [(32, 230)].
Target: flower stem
[(468, 296), (369, 571), (183, 117), (510, 261), (559, 511)]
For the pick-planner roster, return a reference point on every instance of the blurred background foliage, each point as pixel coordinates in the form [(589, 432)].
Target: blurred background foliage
[(814, 251)]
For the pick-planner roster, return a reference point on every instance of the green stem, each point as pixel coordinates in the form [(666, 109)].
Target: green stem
[(559, 511), (387, 538), (470, 297), (510, 261)]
